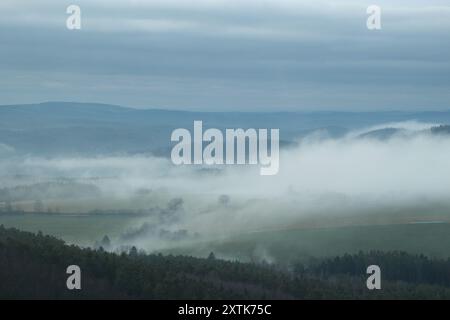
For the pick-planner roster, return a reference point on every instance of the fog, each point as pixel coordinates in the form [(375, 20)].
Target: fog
[(322, 181)]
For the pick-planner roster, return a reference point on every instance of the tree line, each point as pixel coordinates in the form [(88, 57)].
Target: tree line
[(33, 266)]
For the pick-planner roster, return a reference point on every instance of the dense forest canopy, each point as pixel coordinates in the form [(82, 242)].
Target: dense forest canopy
[(34, 266)]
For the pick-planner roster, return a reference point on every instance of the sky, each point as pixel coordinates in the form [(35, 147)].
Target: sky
[(228, 55)]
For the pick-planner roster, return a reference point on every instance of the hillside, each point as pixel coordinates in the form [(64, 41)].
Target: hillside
[(63, 128), (33, 266)]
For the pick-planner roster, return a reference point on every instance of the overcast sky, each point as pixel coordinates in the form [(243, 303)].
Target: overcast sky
[(252, 55)]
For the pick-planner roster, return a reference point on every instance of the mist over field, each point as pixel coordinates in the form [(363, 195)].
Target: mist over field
[(386, 173)]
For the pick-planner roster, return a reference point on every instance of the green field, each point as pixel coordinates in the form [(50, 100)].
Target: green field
[(286, 245), (79, 229), (431, 239)]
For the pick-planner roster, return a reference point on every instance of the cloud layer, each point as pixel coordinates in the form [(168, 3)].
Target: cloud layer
[(334, 178), (214, 54)]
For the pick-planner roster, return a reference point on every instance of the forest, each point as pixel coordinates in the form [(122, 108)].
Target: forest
[(33, 266)]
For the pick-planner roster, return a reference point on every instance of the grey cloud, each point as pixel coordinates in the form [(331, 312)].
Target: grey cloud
[(214, 55)]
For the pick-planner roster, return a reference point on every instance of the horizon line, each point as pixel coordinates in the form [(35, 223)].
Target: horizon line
[(437, 110)]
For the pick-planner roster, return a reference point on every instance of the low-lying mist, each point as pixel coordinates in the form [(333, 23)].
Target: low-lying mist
[(364, 177)]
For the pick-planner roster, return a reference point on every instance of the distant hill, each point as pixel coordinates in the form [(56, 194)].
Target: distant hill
[(64, 128), (381, 134)]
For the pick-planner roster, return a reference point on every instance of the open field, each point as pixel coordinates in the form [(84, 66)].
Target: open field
[(431, 238), (80, 229)]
